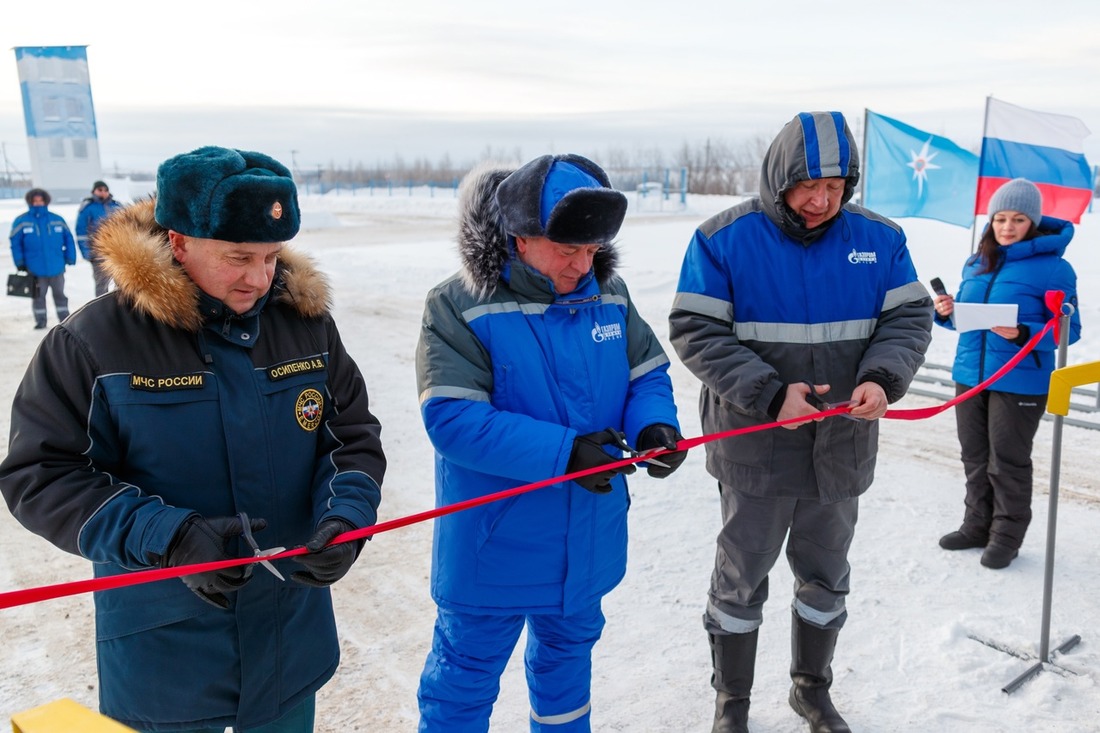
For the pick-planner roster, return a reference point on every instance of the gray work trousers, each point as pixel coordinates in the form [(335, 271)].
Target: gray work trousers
[(61, 303), (753, 530)]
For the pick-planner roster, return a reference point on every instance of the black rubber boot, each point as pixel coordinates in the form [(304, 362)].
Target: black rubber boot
[(734, 659), (960, 540), (812, 674)]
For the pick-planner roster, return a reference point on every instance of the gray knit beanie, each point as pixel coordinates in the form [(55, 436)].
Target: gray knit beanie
[(1021, 195)]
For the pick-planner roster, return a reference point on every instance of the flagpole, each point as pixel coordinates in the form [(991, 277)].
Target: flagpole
[(1095, 180), (866, 165), (977, 191)]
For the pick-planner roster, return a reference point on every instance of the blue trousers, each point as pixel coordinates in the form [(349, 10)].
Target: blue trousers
[(298, 720), (461, 677)]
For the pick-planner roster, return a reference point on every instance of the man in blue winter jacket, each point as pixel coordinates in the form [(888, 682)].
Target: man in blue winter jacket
[(207, 398), (533, 363), (93, 210), (42, 244)]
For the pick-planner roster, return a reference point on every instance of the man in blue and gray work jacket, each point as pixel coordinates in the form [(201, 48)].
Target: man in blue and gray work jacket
[(786, 303)]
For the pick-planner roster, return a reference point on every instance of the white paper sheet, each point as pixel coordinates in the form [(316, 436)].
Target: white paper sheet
[(976, 316)]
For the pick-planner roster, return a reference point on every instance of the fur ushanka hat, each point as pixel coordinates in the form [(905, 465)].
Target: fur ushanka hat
[(565, 198), (231, 195), (29, 196)]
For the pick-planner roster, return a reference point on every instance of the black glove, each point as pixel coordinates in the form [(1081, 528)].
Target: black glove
[(588, 452), (200, 540), (659, 435), (327, 564)]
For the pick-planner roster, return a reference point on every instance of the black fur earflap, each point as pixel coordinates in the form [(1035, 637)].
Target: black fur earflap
[(483, 243), (566, 198)]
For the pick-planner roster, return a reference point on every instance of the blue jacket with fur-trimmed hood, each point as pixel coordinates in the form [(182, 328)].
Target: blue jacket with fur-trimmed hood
[(509, 373), (153, 403), (764, 302), (1024, 272)]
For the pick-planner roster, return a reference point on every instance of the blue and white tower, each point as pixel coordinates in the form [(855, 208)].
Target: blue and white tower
[(61, 129)]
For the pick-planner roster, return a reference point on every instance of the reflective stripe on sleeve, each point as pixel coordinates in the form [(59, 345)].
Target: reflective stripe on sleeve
[(905, 294), (704, 305), (647, 366), (454, 393)]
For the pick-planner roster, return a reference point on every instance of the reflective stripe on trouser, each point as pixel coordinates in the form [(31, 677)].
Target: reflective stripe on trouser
[(559, 669), (56, 285), (749, 543), (461, 677)]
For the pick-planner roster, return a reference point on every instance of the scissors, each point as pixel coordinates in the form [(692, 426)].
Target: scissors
[(621, 443), (256, 551), (818, 401)]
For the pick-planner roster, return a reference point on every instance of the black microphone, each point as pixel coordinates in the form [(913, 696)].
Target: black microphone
[(937, 286)]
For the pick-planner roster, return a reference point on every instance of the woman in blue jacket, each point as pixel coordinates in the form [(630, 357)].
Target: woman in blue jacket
[(42, 244), (1019, 259)]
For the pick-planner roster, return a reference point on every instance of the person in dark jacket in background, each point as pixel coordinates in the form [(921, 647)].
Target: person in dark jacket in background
[(93, 210), (42, 244), (1019, 259), (209, 397), (787, 301), (533, 363)]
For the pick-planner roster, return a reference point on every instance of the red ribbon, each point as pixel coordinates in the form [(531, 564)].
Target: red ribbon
[(11, 599)]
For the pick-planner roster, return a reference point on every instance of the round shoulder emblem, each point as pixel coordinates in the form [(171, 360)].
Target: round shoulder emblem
[(308, 409)]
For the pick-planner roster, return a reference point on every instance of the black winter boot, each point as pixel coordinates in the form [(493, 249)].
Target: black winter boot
[(811, 660), (734, 659)]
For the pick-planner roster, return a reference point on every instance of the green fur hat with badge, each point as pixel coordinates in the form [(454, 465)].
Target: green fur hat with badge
[(226, 194)]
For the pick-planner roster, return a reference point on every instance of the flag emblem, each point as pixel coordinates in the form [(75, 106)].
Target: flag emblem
[(910, 172)]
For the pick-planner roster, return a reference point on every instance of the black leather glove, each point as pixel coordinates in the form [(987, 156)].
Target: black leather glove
[(588, 452), (659, 435), (325, 564), (200, 540)]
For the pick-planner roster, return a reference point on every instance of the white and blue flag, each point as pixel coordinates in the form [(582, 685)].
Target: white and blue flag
[(909, 172)]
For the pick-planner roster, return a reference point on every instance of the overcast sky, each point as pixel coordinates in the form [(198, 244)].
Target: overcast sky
[(360, 80)]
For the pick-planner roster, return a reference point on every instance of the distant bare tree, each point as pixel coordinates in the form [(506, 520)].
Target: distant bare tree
[(714, 166)]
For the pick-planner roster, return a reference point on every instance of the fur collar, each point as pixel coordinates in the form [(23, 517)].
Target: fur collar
[(483, 245), (135, 253)]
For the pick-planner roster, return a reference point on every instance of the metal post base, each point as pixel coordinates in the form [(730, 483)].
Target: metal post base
[(1038, 667)]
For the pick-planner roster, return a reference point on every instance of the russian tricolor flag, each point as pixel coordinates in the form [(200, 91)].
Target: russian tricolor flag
[(1047, 149)]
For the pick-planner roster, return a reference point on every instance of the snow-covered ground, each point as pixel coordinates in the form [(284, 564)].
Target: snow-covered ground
[(906, 660)]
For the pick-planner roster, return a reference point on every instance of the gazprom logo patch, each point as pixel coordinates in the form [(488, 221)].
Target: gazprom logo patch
[(606, 333), (862, 258)]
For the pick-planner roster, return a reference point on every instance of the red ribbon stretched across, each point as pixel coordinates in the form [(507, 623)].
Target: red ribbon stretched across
[(11, 599)]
